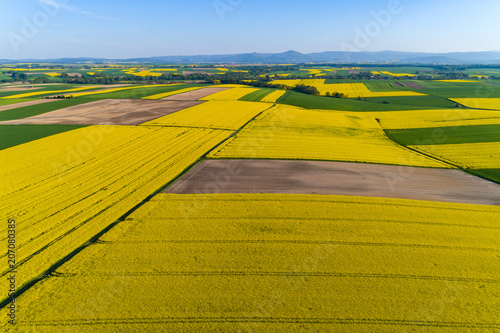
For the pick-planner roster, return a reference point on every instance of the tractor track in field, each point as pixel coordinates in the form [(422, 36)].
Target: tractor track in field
[(306, 242), (264, 320), (284, 273), (334, 219)]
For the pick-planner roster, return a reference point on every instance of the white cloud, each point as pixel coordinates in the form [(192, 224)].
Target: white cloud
[(62, 4), (59, 4)]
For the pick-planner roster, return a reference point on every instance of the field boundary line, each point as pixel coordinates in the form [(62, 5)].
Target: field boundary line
[(390, 138), (204, 156), (465, 169)]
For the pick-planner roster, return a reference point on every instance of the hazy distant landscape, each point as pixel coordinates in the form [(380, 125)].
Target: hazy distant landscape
[(297, 57)]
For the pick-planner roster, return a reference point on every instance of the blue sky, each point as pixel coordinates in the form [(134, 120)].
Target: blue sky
[(125, 29)]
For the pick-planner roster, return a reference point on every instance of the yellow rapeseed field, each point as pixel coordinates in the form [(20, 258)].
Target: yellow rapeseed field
[(282, 263), (288, 83), (35, 93), (105, 91), (458, 81), (229, 95), (231, 86), (359, 90), (352, 90), (479, 103), (170, 93), (286, 132), (143, 73), (435, 118), (484, 155), (312, 71), (273, 97), (216, 114), (397, 74), (63, 189), (480, 76), (313, 82)]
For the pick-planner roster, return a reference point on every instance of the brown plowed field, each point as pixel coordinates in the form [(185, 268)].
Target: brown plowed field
[(313, 177), (108, 112), (194, 95), (20, 105)]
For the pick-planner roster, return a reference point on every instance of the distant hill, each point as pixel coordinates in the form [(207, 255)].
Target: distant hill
[(491, 57)]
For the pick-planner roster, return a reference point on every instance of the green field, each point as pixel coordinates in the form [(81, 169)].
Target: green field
[(377, 86), (42, 89), (446, 135), (34, 110), (491, 174), (4, 77), (256, 96), (416, 101), (138, 93), (342, 104), (13, 135), (459, 89), (14, 101)]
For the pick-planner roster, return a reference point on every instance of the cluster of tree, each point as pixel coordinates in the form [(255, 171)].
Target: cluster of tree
[(306, 89), (336, 95), (311, 90), (59, 97)]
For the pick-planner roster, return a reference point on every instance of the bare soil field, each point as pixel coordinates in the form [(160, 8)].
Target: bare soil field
[(20, 105), (10, 88), (414, 85), (334, 178), (195, 72), (108, 112), (194, 95)]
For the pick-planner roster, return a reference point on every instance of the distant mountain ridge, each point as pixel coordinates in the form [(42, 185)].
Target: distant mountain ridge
[(490, 57)]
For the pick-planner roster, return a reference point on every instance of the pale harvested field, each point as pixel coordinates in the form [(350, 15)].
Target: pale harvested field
[(101, 88), (108, 112), (194, 72), (20, 105), (333, 178), (10, 88), (194, 95)]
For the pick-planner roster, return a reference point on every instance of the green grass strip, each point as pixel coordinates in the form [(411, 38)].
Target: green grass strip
[(342, 104), (446, 135), (14, 101), (13, 135), (34, 110), (256, 96)]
